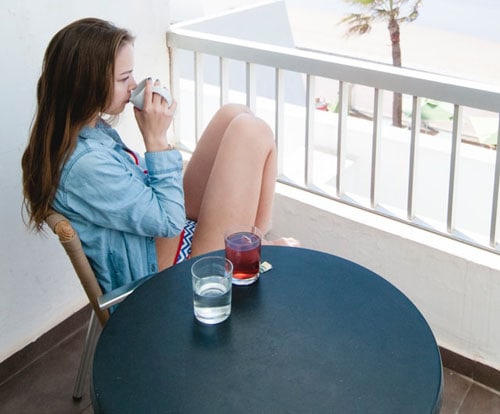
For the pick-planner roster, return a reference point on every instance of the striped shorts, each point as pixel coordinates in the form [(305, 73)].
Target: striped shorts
[(185, 242)]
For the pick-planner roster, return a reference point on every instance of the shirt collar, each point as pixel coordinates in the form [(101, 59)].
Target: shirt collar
[(101, 132)]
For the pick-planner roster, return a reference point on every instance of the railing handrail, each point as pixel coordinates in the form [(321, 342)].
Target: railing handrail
[(372, 74)]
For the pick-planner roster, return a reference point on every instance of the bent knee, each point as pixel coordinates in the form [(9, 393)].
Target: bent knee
[(232, 110), (249, 125)]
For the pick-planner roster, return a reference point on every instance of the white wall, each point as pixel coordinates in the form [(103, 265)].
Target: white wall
[(39, 288)]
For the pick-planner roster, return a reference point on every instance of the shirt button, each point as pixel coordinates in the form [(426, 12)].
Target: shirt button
[(153, 268)]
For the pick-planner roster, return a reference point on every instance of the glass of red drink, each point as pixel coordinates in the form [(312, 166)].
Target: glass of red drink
[(243, 245)]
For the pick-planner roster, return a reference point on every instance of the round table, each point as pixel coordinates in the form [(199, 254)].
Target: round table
[(316, 334)]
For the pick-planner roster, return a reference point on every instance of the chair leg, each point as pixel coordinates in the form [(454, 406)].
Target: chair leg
[(88, 353)]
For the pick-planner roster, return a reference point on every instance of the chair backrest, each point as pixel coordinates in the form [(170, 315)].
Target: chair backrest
[(69, 239)]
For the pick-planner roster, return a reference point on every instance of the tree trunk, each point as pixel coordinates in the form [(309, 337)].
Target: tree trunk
[(397, 103)]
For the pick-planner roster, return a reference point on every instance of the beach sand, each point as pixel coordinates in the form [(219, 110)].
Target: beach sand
[(422, 47)]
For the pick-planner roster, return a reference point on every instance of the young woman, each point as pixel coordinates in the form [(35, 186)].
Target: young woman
[(130, 212)]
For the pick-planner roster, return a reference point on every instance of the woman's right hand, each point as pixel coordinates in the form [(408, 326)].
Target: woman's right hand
[(155, 118)]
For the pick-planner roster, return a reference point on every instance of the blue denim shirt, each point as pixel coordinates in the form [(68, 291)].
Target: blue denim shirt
[(118, 207)]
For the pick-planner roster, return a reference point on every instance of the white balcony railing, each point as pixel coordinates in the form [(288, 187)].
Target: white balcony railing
[(439, 183)]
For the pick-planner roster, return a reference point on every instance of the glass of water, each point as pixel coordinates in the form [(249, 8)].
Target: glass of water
[(212, 281)]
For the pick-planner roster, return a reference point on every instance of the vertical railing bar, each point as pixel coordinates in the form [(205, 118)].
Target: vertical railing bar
[(456, 139), (251, 86), (309, 145), (198, 94), (223, 80), (496, 190), (376, 138), (341, 132), (174, 85), (279, 121), (415, 134)]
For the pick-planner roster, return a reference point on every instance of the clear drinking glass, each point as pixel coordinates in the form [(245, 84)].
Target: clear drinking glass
[(211, 277)]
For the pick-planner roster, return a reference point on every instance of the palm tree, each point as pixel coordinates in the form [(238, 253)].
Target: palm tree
[(391, 11)]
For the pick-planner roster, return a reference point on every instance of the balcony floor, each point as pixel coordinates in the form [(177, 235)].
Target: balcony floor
[(46, 385)]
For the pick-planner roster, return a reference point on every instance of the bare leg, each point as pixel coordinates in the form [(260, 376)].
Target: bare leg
[(231, 177), (200, 166)]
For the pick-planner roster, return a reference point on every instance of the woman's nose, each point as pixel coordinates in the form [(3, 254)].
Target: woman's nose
[(133, 84)]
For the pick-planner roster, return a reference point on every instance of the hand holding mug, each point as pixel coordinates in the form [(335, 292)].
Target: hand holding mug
[(137, 97), (156, 114)]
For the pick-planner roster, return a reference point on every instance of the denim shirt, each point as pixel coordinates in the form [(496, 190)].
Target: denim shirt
[(118, 207)]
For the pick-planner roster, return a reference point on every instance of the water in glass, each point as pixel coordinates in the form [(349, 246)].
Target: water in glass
[(212, 299)]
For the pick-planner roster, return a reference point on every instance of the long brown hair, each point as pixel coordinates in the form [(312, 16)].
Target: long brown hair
[(75, 86)]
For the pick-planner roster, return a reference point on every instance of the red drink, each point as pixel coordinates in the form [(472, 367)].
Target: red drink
[(243, 250)]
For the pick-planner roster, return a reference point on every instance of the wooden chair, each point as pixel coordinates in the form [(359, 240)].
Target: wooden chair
[(100, 302)]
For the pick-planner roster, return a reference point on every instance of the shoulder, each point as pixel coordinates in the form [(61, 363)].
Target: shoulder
[(90, 152), (99, 141), (94, 151)]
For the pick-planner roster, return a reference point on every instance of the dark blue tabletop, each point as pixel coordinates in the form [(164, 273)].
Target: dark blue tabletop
[(316, 334)]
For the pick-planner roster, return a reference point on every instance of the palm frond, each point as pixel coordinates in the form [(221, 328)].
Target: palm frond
[(359, 23), (361, 2), (379, 10), (359, 29)]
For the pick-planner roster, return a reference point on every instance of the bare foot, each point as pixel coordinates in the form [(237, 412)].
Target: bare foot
[(282, 241)]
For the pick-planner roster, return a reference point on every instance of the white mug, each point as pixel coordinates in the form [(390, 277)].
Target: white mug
[(137, 96)]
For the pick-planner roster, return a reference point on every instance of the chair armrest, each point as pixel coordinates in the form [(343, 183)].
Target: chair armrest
[(117, 295)]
